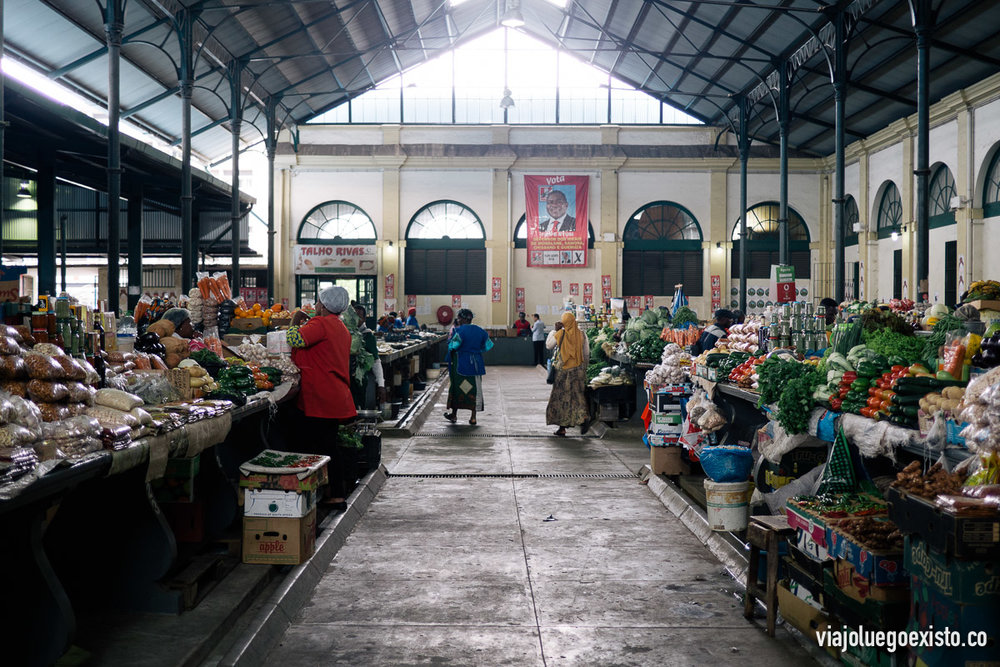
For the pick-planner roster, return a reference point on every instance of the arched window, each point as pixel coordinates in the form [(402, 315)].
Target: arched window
[(762, 242), (337, 222), (445, 250), (662, 249), (890, 211), (940, 192), (991, 188), (851, 218), (521, 234)]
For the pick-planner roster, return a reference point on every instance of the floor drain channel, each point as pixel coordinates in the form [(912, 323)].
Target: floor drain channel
[(482, 475)]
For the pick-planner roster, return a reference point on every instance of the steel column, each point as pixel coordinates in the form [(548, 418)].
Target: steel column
[(235, 122), (3, 127), (187, 87), (744, 146), (135, 205), (114, 25), (783, 118), (270, 146), (923, 21), (62, 252), (839, 93), (45, 194)]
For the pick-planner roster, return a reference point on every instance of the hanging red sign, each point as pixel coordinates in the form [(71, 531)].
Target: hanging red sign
[(557, 287)]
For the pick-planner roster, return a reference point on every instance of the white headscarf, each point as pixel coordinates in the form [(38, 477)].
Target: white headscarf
[(335, 299)]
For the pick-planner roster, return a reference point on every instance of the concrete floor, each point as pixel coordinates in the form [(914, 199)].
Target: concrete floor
[(572, 569)]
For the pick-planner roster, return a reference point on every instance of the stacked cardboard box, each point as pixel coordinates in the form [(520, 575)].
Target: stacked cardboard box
[(280, 491), (666, 403)]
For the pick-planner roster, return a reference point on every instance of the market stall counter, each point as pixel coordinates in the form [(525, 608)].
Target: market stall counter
[(100, 533), (405, 358)]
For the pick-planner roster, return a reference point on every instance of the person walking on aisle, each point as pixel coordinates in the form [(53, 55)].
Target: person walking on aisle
[(567, 401), (321, 348), (466, 366), (538, 339)]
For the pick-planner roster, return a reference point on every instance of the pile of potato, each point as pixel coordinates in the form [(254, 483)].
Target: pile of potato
[(947, 401)]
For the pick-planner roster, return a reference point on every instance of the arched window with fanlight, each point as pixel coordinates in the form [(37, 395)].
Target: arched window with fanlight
[(991, 187), (521, 234), (940, 193), (662, 248), (445, 250), (337, 222), (762, 242), (852, 217), (890, 211)]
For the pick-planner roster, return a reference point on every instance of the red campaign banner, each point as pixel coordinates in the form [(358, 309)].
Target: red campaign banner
[(456, 300), (557, 287), (588, 289), (557, 217), (574, 289)]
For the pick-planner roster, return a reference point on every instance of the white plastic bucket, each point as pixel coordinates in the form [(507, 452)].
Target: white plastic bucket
[(433, 373), (727, 505)]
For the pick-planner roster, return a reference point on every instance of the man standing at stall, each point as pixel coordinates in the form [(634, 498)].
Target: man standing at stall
[(714, 331)]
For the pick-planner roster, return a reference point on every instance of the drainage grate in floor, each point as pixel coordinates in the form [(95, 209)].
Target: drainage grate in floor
[(484, 475)]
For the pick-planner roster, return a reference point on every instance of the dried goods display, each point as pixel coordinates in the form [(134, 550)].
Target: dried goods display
[(936, 481)]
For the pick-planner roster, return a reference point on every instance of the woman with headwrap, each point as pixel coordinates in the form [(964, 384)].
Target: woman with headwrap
[(568, 402), (411, 318), (466, 367), (321, 348)]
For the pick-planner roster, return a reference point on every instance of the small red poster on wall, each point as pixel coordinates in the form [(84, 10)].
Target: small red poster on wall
[(390, 286), (496, 295), (411, 300), (588, 288), (605, 293), (456, 300), (588, 299), (557, 287), (606, 280), (574, 289), (649, 301), (497, 282), (519, 299), (633, 301)]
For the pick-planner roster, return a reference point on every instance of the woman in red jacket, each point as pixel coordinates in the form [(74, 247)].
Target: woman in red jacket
[(321, 348)]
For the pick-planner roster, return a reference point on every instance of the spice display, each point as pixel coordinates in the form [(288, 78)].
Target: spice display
[(875, 534), (934, 482)]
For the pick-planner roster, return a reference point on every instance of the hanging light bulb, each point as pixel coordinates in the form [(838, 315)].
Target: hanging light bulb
[(894, 235)]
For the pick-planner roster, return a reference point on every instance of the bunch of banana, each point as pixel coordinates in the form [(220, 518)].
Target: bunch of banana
[(988, 290)]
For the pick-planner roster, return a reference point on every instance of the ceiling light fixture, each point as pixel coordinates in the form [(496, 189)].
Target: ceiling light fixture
[(512, 18), (894, 235), (24, 191)]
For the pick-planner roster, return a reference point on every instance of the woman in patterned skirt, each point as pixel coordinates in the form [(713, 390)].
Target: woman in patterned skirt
[(466, 368), (568, 401)]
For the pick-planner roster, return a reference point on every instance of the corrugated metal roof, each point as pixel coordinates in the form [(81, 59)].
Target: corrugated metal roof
[(694, 55)]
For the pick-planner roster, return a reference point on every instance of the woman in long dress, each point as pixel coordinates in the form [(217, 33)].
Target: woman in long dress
[(568, 402), (466, 366)]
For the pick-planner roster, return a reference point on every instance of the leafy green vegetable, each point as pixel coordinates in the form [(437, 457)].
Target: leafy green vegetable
[(774, 374), (594, 370), (648, 349), (796, 402), (889, 343), (684, 317), (875, 319)]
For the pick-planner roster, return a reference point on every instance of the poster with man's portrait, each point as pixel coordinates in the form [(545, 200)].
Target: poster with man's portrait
[(557, 219)]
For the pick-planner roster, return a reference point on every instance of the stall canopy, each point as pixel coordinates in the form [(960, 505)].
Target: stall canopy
[(39, 126)]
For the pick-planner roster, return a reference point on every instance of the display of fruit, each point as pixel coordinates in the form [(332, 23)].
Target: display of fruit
[(987, 290)]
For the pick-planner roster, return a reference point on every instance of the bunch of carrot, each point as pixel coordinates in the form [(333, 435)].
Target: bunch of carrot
[(215, 286)]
